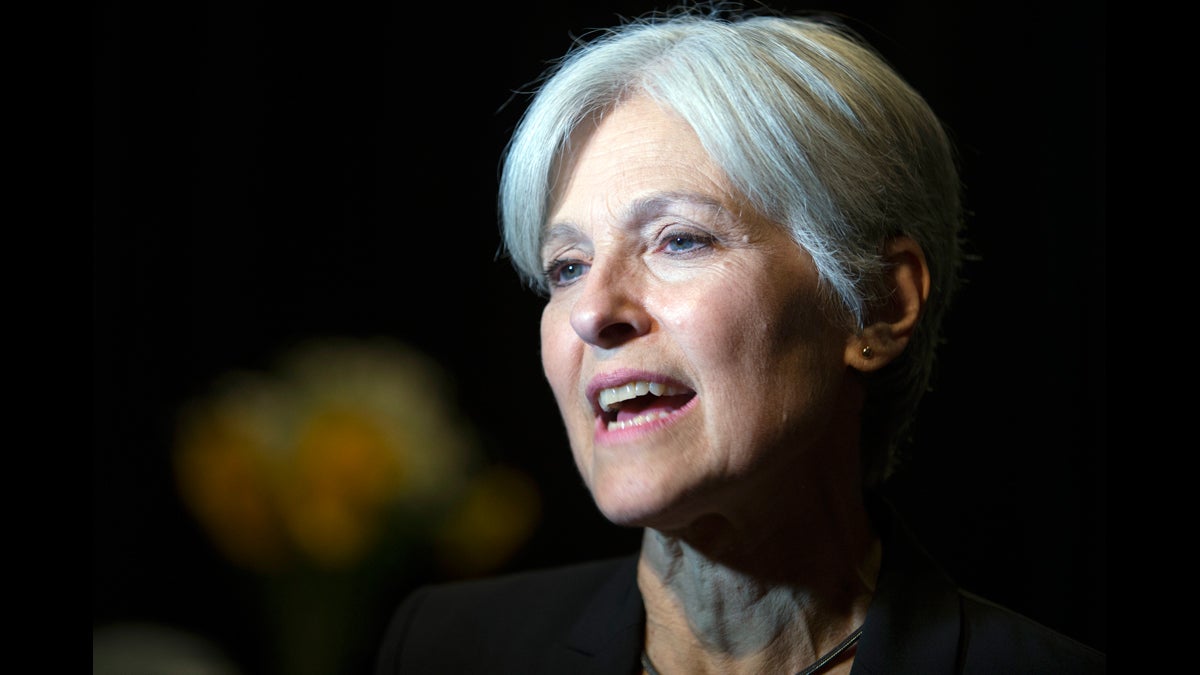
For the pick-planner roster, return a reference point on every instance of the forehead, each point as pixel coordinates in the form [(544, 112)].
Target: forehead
[(635, 154)]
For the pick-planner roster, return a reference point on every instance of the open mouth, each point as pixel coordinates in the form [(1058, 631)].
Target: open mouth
[(636, 403)]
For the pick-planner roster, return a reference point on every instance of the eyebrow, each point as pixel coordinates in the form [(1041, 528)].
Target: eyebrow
[(639, 211)]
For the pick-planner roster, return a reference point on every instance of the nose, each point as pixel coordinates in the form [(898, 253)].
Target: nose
[(611, 310)]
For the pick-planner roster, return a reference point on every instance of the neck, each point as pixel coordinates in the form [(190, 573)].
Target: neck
[(724, 598)]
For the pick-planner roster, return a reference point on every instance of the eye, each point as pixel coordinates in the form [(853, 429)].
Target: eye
[(564, 272), (685, 242)]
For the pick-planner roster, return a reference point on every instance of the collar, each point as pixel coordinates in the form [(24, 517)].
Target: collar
[(912, 626), (607, 638)]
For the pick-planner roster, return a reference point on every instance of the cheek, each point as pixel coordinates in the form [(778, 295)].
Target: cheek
[(550, 347), (717, 318), (561, 363), (747, 330), (559, 360)]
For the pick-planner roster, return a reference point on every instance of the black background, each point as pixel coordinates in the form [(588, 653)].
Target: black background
[(266, 173)]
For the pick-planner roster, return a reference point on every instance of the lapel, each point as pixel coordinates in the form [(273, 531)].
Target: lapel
[(607, 638), (913, 624)]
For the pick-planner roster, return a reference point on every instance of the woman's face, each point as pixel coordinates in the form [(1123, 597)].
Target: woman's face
[(684, 339)]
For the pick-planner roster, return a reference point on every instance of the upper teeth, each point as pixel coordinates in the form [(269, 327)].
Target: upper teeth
[(613, 395)]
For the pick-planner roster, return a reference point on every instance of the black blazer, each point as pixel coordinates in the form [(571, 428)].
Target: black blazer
[(589, 618)]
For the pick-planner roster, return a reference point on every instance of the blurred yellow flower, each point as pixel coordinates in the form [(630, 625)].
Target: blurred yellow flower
[(496, 516), (347, 446), (222, 477)]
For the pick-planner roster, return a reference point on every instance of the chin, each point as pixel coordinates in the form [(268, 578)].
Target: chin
[(638, 503), (627, 514)]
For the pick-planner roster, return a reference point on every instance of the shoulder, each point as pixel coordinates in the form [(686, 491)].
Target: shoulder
[(530, 595), (921, 621), (997, 639), (505, 620)]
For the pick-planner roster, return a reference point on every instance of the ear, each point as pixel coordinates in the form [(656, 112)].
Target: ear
[(891, 322)]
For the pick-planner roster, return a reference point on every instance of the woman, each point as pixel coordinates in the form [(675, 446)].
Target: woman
[(747, 229)]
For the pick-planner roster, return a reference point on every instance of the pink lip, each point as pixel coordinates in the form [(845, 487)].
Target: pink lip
[(601, 434)]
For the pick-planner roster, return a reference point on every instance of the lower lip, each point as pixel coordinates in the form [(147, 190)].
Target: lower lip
[(603, 436)]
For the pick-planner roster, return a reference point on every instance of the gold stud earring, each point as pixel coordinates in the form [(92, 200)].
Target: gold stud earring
[(867, 353)]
